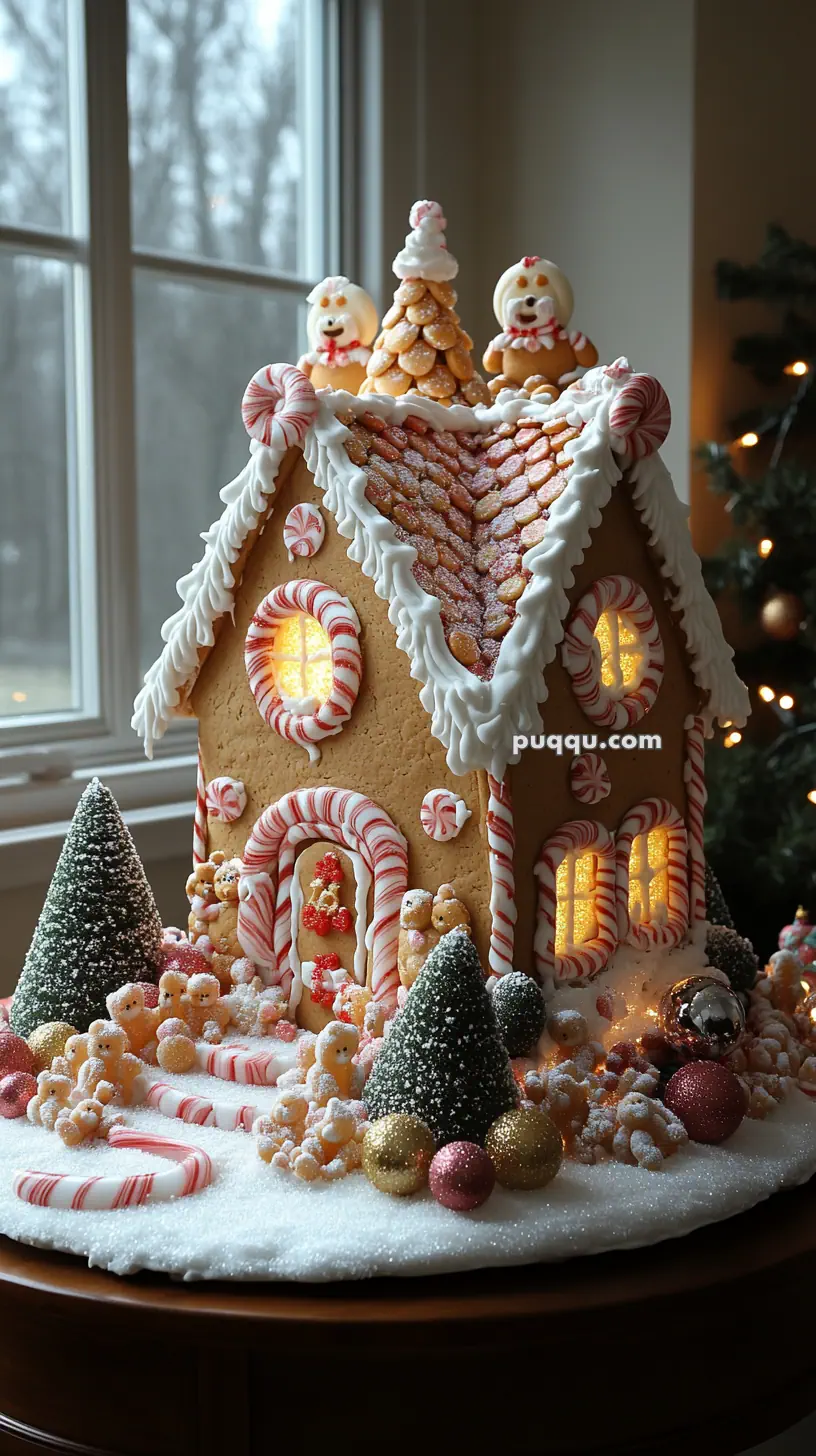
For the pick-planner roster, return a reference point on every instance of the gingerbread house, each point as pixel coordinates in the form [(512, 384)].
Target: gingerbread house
[(401, 606)]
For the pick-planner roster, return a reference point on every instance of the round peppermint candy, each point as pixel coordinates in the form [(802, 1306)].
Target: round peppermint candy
[(278, 406), (303, 531), (225, 799), (443, 814)]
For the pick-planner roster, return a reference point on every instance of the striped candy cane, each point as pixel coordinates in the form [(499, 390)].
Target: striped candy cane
[(654, 814), (256, 919), (193, 1172), (237, 1063), (340, 623), (229, 1116), (278, 406), (580, 836), (581, 656), (358, 824), (640, 417), (200, 820), (501, 843), (696, 795)]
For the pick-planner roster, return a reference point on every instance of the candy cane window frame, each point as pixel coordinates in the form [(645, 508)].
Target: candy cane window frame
[(610, 602), (651, 815), (305, 722), (577, 838)]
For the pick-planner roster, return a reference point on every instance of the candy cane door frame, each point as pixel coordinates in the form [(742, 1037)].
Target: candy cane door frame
[(329, 920), (358, 826)]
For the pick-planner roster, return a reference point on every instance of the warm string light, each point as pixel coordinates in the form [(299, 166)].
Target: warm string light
[(786, 702), (732, 739), (812, 796), (765, 547), (748, 440), (797, 368), (767, 694)]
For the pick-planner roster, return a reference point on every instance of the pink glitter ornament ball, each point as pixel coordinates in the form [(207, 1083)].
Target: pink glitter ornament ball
[(151, 994), (15, 1054), (461, 1176), (183, 957), (708, 1099), (16, 1091)]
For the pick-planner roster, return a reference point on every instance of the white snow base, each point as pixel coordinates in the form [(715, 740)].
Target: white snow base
[(255, 1222)]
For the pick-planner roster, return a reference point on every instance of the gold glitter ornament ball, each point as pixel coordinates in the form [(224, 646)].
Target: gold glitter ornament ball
[(525, 1147), (397, 1153), (48, 1041)]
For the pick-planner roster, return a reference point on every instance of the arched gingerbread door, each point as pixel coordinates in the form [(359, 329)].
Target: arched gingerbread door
[(330, 917)]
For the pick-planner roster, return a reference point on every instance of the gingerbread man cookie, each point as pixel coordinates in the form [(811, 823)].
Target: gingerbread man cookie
[(535, 352), (341, 323)]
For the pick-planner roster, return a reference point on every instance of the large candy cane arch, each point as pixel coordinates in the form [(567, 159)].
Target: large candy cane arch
[(339, 621), (696, 795), (357, 824), (580, 836), (654, 814), (501, 844), (193, 1171), (581, 656)]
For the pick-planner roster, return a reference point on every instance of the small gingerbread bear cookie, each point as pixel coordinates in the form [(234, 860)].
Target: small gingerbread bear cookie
[(110, 1061), (449, 913), (223, 925), (127, 1008), (535, 353), (417, 937), (204, 902), (334, 1073), (340, 326), (52, 1096), (204, 1009)]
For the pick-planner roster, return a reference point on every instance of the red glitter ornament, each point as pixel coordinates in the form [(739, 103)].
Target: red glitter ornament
[(16, 1091), (461, 1176), (151, 994), (15, 1054), (708, 1099), (183, 957)]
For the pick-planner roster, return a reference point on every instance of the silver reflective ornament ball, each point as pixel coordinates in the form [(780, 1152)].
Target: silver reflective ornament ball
[(702, 1017)]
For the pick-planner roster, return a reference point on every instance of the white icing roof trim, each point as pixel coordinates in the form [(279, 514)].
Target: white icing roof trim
[(475, 720)]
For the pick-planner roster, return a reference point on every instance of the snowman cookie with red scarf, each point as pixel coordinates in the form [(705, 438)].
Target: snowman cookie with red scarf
[(535, 352), (340, 326)]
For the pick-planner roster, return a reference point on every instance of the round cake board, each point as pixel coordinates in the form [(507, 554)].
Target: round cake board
[(257, 1223)]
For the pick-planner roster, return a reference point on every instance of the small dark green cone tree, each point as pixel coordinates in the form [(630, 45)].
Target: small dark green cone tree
[(444, 1060), (99, 926), (717, 911)]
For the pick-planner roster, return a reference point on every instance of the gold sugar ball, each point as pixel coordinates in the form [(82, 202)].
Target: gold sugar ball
[(48, 1041), (397, 1153), (526, 1148)]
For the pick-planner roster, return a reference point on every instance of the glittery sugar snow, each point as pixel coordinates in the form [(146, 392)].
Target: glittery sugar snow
[(99, 927), (444, 1060)]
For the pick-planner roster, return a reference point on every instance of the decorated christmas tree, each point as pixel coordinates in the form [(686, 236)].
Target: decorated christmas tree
[(422, 348), (99, 927), (761, 817), (444, 1060)]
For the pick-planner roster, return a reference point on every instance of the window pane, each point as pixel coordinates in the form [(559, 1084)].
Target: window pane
[(35, 635), (216, 138), (33, 127), (196, 349)]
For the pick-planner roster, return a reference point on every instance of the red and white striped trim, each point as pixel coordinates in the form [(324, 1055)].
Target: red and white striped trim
[(225, 798), (581, 657), (654, 814), (696, 796), (256, 919), (229, 1116), (304, 530), (339, 621), (640, 417), (579, 836), (193, 1172), (357, 824), (443, 814), (278, 406), (501, 844), (238, 1063), (589, 778), (200, 820)]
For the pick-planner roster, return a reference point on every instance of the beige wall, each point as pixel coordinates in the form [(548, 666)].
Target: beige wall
[(753, 165)]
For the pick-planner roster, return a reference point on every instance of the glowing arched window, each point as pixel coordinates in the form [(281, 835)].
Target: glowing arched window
[(576, 928), (652, 890), (302, 663), (622, 652)]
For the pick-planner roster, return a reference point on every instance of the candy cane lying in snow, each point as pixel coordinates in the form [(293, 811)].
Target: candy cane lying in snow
[(229, 1116), (237, 1063), (193, 1172)]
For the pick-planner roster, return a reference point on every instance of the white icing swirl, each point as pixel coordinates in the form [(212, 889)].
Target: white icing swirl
[(425, 254)]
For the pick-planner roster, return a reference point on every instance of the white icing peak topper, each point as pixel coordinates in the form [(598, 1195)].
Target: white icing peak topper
[(425, 254), (532, 295), (342, 317)]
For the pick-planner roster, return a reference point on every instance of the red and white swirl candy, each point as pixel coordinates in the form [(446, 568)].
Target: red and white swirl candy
[(640, 417), (278, 406), (193, 1172), (237, 1063), (589, 778), (225, 799), (443, 814), (229, 1116), (339, 621), (304, 531)]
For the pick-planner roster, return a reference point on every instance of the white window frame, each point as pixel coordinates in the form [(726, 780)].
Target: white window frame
[(44, 760)]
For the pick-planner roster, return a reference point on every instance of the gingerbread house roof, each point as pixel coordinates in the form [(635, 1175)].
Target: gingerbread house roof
[(470, 523)]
